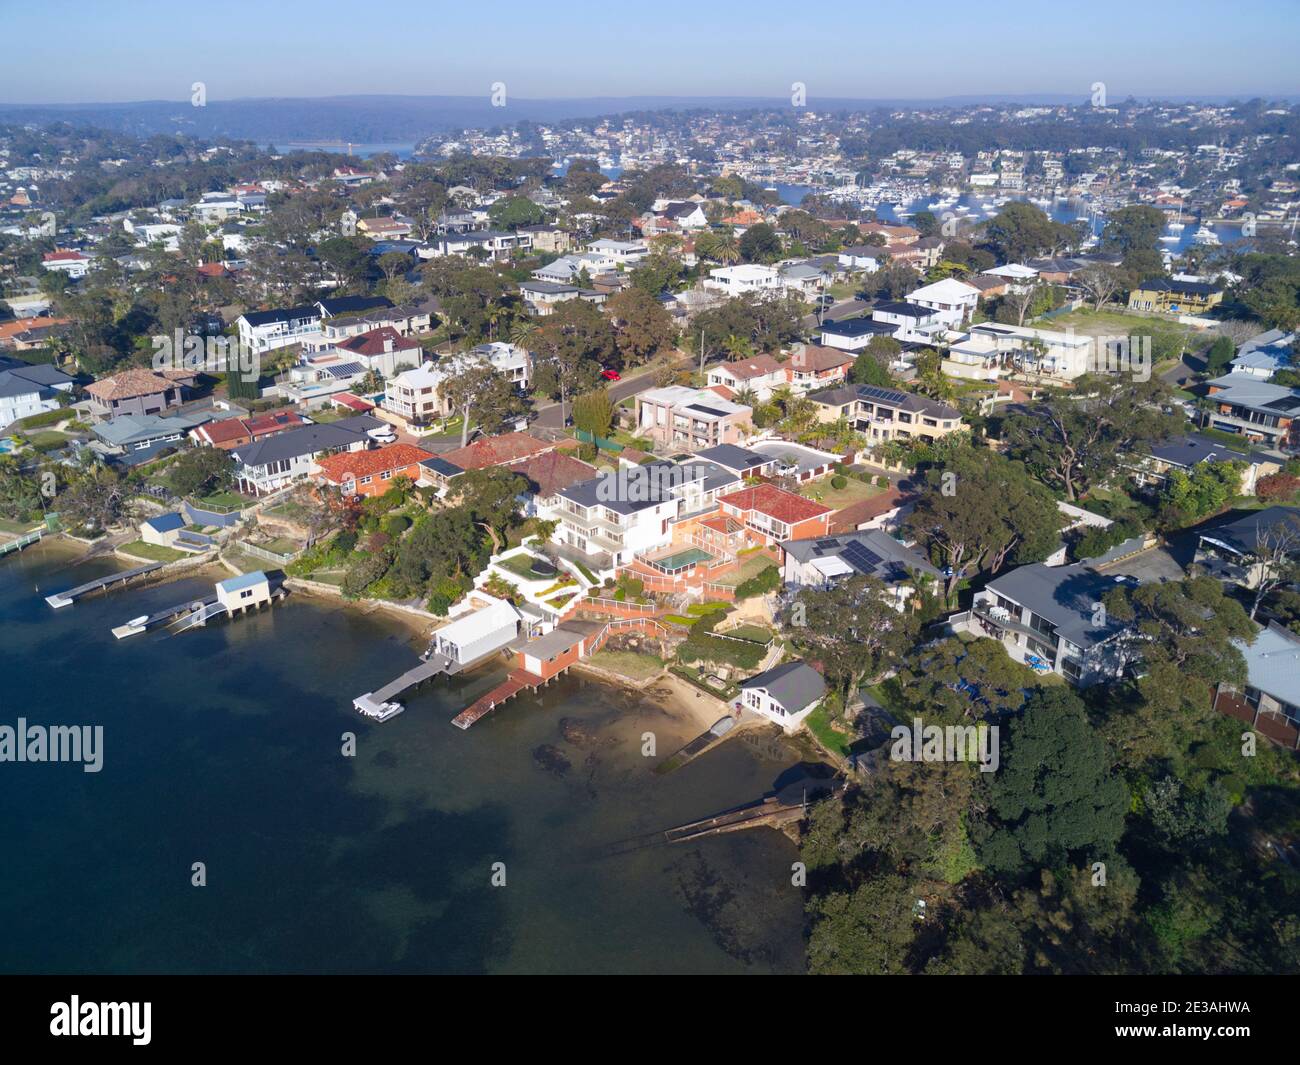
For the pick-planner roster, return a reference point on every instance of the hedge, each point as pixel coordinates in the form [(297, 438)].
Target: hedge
[(767, 581)]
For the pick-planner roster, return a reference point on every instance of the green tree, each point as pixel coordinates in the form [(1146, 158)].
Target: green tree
[(1055, 798), (200, 471), (593, 412), (642, 325), (980, 510)]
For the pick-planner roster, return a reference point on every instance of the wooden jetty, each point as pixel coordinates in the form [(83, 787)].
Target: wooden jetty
[(160, 617), (62, 599), (382, 704), (510, 687), (771, 812)]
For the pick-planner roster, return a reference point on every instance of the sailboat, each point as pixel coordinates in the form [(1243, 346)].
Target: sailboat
[(1177, 225)]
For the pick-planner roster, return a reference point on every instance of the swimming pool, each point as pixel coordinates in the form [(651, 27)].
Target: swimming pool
[(681, 560)]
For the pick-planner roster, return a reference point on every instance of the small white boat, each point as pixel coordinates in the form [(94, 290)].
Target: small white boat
[(1205, 235)]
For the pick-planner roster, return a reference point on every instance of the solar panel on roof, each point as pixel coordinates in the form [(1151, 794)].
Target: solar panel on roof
[(706, 410), (825, 544), (861, 557), (881, 393)]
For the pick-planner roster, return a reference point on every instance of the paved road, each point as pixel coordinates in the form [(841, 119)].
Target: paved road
[(548, 414)]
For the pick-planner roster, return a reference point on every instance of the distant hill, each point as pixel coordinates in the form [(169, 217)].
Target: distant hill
[(404, 119)]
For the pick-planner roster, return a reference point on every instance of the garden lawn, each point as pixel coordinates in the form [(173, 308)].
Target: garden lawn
[(828, 734), (152, 552), (839, 498), (630, 664)]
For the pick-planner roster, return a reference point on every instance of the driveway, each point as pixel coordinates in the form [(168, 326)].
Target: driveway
[(1155, 565)]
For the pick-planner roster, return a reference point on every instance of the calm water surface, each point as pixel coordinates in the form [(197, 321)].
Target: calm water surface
[(223, 746)]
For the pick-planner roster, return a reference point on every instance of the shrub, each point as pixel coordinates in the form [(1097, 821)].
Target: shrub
[(396, 524), (839, 481), (48, 417), (1277, 486), (767, 581)]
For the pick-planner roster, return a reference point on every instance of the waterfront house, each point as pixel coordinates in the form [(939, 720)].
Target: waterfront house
[(1049, 617), (886, 413), (547, 473), (277, 461), (771, 515), (821, 561), (785, 694), (370, 473), (136, 438)]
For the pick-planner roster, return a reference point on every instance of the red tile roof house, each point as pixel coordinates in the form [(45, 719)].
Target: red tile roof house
[(547, 473), (818, 367), (370, 473), (235, 432), (759, 375), (771, 514), (489, 451), (382, 350), (134, 391)]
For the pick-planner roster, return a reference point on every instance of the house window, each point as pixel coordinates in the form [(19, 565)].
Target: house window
[(366, 479)]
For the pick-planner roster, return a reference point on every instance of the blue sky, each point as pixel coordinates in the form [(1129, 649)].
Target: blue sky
[(64, 52)]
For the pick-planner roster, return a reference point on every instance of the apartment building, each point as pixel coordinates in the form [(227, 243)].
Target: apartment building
[(886, 413)]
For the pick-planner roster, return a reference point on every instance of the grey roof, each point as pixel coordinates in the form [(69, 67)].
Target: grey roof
[(307, 441), (624, 491), (884, 557), (731, 457), (1243, 534), (352, 304), (1067, 596), (1273, 663), (442, 466), (794, 685), (1190, 450), (1243, 390), (23, 379), (166, 522), (137, 428), (885, 397), (555, 642), (911, 310), (857, 327)]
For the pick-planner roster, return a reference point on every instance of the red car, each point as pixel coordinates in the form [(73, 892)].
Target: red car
[(611, 375)]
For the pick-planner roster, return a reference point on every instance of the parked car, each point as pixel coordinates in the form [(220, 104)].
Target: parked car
[(611, 375)]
